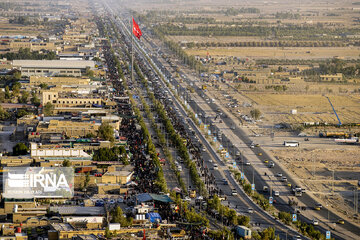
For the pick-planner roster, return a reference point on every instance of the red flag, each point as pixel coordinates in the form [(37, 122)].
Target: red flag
[(136, 30)]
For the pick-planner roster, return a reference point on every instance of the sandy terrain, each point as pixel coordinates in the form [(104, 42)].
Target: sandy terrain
[(344, 162), (280, 53)]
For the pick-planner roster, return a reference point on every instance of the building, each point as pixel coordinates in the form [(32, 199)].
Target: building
[(332, 78), (56, 81), (68, 128), (62, 99), (55, 151), (53, 67)]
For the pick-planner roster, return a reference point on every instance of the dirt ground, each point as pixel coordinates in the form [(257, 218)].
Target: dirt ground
[(279, 53), (344, 161), (310, 107)]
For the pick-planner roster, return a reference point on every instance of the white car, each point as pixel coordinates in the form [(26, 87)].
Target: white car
[(210, 160), (276, 193), (187, 199), (315, 222), (216, 167), (279, 174), (250, 210)]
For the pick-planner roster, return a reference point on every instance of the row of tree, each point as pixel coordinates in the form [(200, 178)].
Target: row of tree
[(289, 30), (25, 53), (269, 44), (111, 154), (151, 150)]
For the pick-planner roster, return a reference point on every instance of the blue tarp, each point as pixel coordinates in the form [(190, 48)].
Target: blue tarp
[(146, 197), (153, 217), (143, 197)]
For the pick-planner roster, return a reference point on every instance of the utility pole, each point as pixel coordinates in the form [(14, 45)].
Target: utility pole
[(333, 175), (132, 50)]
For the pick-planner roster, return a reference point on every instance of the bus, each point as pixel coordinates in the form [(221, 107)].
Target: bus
[(291, 143)]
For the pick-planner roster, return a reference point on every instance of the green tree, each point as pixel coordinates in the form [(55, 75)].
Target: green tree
[(34, 99), (107, 233), (117, 216), (2, 97), (7, 93), (87, 180), (16, 89), (24, 97), (89, 72), (43, 86), (48, 109), (4, 115), (20, 113), (66, 163), (106, 132), (96, 59), (17, 75), (255, 113), (20, 149)]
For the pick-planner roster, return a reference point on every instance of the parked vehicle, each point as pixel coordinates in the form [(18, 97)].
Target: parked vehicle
[(243, 232)]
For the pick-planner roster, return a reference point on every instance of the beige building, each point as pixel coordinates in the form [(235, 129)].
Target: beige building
[(332, 78), (55, 151), (69, 128), (69, 100), (37, 80), (53, 67), (33, 46), (15, 161)]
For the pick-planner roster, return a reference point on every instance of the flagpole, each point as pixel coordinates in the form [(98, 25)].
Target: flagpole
[(132, 49)]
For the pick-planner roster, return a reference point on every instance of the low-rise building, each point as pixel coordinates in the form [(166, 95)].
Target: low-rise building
[(56, 81), (40, 151), (69, 128), (332, 78), (53, 67)]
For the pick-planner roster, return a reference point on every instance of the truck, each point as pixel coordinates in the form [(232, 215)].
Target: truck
[(242, 231), (297, 191), (291, 143)]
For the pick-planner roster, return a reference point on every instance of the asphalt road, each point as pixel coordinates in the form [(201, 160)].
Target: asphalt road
[(241, 200)]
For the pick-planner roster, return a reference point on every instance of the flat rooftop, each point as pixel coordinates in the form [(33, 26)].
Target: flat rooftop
[(82, 211), (53, 63)]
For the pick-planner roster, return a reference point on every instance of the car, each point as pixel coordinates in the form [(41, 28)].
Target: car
[(257, 145), (297, 237), (284, 179), (99, 203), (279, 174), (271, 164), (252, 146), (248, 163), (315, 222), (225, 182), (112, 201), (233, 192), (120, 200), (259, 154), (266, 161), (179, 168), (216, 167), (250, 210), (341, 221), (276, 193), (203, 149), (318, 206), (210, 160), (187, 199)]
